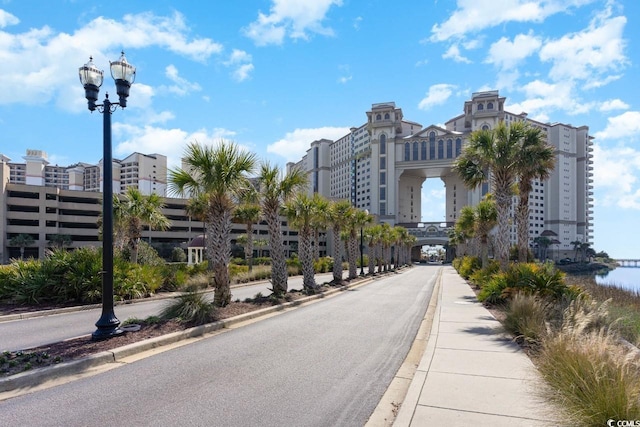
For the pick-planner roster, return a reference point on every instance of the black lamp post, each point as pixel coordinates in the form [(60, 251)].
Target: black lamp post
[(91, 78)]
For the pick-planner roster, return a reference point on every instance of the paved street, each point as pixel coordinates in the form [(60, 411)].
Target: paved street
[(325, 364), (29, 333)]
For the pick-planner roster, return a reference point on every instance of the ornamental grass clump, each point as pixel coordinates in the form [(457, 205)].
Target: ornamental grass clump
[(590, 373), (525, 318), (191, 308)]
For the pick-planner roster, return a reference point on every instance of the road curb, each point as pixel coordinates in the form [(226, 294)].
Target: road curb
[(30, 379), (399, 393)]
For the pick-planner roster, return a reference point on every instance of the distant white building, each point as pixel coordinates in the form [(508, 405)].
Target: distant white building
[(147, 172), (381, 166)]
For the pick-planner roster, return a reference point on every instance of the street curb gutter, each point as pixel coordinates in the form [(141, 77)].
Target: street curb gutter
[(398, 393), (37, 377)]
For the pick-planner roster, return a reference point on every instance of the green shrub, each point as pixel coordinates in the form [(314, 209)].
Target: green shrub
[(191, 308), (178, 255), (174, 277), (323, 265), (468, 265), (483, 275), (235, 270)]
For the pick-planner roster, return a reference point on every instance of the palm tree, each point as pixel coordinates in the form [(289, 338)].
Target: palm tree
[(371, 235), (536, 160), (22, 241), (339, 214), (465, 229), (492, 155), (275, 189), (576, 247), (584, 249), (300, 211), (486, 216), (248, 214), (217, 174), (133, 211), (319, 222), (358, 219), (543, 243)]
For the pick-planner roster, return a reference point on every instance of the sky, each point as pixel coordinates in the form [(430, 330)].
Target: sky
[(275, 75)]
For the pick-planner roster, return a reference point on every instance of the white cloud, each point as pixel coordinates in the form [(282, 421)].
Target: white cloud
[(507, 54), (182, 86), (357, 22), (589, 54), (617, 182), (624, 126), (7, 19), (295, 144), (614, 104), (346, 74), (438, 94), (242, 61), (454, 53), (543, 98), (40, 58), (476, 15), (292, 18), (170, 142)]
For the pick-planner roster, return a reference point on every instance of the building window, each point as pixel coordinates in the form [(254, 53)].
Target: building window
[(458, 146), (440, 149), (386, 116), (378, 117), (490, 106), (383, 163), (407, 152), (383, 144), (383, 193), (449, 148), (383, 208), (383, 178), (432, 149), (415, 151), (423, 150), (485, 127), (480, 107)]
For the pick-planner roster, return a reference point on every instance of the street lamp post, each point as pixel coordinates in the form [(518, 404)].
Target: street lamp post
[(91, 78), (361, 251), (362, 246)]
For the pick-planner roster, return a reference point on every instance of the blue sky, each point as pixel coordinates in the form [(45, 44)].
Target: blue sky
[(274, 75)]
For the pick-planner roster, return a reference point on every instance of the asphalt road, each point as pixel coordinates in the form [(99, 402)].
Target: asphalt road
[(30, 333), (325, 364)]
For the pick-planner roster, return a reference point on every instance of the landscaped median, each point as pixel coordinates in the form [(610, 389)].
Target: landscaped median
[(31, 378)]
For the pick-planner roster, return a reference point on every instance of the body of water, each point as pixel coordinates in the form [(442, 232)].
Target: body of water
[(624, 277)]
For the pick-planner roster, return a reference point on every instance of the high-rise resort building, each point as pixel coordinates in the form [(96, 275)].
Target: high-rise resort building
[(146, 172), (381, 165)]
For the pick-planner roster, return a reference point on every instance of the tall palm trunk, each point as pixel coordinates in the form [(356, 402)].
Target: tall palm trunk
[(337, 255), (279, 275), (522, 224), (353, 254), (219, 251), (306, 260), (503, 199), (248, 247), (372, 258)]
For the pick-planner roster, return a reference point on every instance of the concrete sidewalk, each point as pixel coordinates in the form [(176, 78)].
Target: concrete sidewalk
[(471, 373)]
